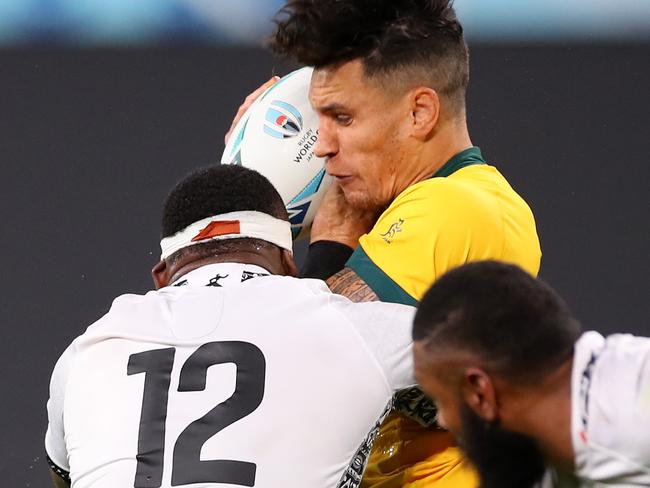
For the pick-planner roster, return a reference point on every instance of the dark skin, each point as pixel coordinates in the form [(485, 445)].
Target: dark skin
[(58, 481), (539, 409), (272, 258)]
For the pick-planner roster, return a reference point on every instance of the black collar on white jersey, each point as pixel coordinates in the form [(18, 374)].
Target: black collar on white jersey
[(221, 274)]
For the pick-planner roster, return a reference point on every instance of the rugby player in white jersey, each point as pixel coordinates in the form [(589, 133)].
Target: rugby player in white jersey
[(521, 388), (233, 373)]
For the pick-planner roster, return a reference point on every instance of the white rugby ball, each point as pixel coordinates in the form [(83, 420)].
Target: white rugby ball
[(276, 137)]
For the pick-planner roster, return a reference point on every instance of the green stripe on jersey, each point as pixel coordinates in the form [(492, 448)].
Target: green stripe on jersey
[(468, 157), (385, 288)]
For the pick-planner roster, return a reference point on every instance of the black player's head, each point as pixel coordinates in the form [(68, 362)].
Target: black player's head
[(214, 191), (515, 324), (400, 43), (217, 190), (483, 331)]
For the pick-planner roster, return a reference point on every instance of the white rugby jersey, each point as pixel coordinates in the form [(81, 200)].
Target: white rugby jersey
[(610, 397), (229, 377)]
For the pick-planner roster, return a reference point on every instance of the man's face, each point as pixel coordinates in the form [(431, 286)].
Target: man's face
[(363, 131), (437, 380), (503, 458)]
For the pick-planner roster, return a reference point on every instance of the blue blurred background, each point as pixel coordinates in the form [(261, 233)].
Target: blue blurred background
[(94, 23)]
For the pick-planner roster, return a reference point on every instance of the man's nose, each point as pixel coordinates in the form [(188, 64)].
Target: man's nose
[(326, 145)]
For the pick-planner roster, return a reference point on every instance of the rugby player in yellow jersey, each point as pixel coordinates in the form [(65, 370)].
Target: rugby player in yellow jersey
[(389, 87), (413, 197)]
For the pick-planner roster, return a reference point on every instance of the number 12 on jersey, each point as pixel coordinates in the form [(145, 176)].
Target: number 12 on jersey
[(187, 467)]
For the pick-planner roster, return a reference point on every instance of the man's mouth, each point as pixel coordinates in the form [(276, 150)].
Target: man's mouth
[(343, 179)]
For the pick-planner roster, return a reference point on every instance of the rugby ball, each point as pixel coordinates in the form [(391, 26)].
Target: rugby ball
[(276, 137)]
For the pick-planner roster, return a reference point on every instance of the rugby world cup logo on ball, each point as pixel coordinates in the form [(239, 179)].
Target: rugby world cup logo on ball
[(277, 137), (282, 120)]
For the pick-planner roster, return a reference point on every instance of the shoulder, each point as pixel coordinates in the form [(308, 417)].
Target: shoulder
[(436, 191), (383, 330), (613, 403), (464, 183), (63, 366), (376, 313), (444, 201), (623, 366), (316, 295), (360, 314), (440, 208), (352, 310)]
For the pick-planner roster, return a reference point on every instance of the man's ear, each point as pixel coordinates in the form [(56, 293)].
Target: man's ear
[(160, 275), (288, 264), (478, 391), (425, 111)]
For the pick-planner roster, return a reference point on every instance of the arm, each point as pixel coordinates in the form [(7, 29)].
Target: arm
[(59, 480), (346, 282), (385, 328), (55, 448), (335, 233)]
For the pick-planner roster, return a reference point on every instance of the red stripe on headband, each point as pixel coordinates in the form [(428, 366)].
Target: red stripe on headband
[(218, 228)]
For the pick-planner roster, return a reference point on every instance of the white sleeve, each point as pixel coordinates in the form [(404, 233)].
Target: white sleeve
[(386, 330), (615, 450), (55, 435)]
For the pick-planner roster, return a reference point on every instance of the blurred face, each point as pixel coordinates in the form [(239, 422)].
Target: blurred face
[(364, 133), (437, 380), (503, 458)]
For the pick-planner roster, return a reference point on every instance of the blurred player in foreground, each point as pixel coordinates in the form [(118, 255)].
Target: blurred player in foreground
[(389, 87), (519, 385), (232, 372)]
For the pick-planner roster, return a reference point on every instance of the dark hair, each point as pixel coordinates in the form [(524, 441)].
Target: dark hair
[(407, 41), (217, 190), (515, 324)]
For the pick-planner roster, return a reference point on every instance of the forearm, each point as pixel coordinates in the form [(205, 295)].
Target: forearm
[(58, 481), (60, 477), (346, 282)]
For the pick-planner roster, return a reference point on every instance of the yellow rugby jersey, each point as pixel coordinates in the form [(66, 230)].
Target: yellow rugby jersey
[(466, 212)]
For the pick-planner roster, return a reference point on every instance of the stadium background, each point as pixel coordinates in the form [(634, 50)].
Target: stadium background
[(106, 104)]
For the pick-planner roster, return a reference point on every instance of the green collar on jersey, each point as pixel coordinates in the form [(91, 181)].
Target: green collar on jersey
[(468, 157)]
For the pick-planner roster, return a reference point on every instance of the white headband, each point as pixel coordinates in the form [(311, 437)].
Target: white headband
[(231, 225)]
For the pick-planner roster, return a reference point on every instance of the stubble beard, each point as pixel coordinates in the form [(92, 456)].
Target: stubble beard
[(363, 201)]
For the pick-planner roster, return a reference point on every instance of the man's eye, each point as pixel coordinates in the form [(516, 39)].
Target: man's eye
[(343, 119)]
